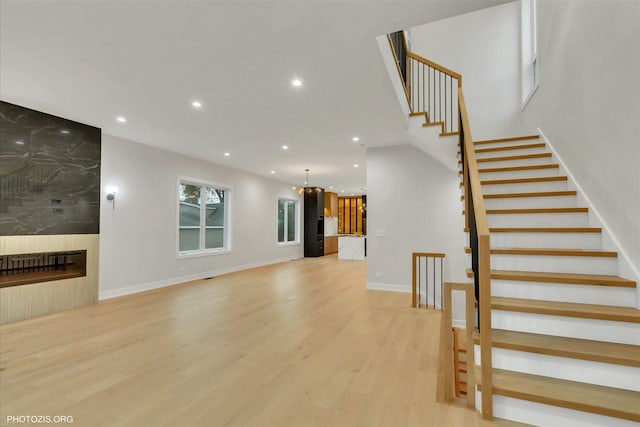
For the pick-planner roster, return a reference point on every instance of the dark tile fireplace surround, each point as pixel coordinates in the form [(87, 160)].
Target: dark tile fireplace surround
[(49, 186)]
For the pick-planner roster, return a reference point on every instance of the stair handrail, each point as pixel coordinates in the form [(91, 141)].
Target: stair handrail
[(437, 66), (477, 224)]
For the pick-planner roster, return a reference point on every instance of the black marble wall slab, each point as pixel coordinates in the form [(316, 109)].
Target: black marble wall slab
[(49, 174)]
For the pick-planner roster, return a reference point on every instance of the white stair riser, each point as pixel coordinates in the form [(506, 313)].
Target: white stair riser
[(555, 264), (516, 152), (525, 187), (550, 416), (582, 294), (579, 219), (517, 162), (531, 202), (546, 240), (574, 327), (534, 173), (508, 143), (585, 371)]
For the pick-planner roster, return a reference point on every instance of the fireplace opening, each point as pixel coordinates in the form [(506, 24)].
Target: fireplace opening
[(23, 269)]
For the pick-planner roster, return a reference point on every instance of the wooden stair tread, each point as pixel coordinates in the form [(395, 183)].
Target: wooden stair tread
[(550, 252), (517, 168), (520, 168), (515, 138), (520, 157), (592, 398), (533, 194), (547, 230), (421, 113), (567, 309), (523, 180), (433, 124), (537, 210), (520, 180), (509, 148), (597, 351), (544, 230), (568, 278)]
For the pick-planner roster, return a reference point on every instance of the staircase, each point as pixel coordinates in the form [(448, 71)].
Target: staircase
[(558, 342), (565, 332)]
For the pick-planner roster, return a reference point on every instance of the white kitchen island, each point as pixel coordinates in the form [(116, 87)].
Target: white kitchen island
[(351, 247)]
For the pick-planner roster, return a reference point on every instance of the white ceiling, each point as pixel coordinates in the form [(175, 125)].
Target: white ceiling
[(92, 61)]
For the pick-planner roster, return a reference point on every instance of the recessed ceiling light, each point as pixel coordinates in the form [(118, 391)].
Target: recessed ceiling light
[(296, 82), (65, 131), (355, 139), (342, 191), (306, 182), (355, 165), (20, 142), (196, 104), (285, 147), (331, 187), (273, 172), (122, 119), (227, 154)]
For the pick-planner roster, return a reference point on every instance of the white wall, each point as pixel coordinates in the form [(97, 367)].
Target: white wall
[(484, 47), (417, 201), (138, 238), (588, 104)]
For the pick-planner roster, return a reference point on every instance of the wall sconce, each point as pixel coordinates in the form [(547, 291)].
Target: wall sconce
[(111, 195)]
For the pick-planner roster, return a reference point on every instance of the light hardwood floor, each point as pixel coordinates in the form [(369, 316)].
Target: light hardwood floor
[(295, 344)]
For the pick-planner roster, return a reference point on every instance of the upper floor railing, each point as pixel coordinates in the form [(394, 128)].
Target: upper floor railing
[(429, 87)]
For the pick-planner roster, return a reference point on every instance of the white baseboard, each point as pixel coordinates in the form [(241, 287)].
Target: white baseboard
[(627, 259), (134, 289), (391, 287)]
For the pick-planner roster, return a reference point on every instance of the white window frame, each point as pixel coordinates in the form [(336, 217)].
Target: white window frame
[(530, 72), (286, 213), (228, 196)]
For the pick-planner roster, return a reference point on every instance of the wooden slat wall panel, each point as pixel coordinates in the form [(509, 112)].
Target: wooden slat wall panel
[(350, 215), (37, 299)]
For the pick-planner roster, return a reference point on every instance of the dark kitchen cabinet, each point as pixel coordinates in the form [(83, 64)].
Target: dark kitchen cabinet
[(313, 222)]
